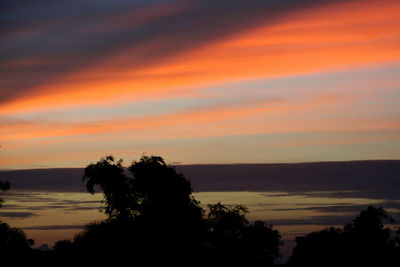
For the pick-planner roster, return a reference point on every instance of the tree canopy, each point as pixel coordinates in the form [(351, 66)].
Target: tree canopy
[(152, 212), (365, 241)]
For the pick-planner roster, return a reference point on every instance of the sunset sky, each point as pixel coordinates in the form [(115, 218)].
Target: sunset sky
[(198, 81)]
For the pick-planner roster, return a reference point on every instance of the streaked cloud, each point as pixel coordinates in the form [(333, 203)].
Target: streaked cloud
[(79, 78), (17, 214), (55, 227), (45, 41), (94, 52)]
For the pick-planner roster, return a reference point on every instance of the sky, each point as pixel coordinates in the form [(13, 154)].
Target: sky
[(198, 81)]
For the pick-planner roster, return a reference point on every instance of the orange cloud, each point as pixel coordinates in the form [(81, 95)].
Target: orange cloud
[(255, 118)]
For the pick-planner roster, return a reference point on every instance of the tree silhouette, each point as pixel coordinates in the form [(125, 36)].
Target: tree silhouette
[(152, 215), (63, 246), (151, 212), (233, 241), (120, 198), (4, 186), (261, 244), (14, 245), (13, 240), (154, 190), (326, 247), (226, 228), (365, 241), (396, 249), (160, 189), (368, 235)]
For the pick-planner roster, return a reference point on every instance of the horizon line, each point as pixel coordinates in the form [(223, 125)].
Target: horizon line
[(223, 164)]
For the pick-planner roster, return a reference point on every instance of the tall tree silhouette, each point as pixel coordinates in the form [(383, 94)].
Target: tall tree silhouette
[(161, 189), (154, 190), (152, 215), (151, 212)]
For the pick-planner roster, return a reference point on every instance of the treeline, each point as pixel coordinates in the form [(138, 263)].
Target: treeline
[(152, 217)]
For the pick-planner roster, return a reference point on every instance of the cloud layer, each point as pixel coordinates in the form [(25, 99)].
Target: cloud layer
[(47, 45), (78, 76)]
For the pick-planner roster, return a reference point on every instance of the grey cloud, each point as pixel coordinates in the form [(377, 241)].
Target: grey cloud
[(325, 221), (76, 208), (315, 220), (339, 208), (356, 179), (17, 214), (54, 227)]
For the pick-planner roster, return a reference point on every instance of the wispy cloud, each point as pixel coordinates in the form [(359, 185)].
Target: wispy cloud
[(231, 113)]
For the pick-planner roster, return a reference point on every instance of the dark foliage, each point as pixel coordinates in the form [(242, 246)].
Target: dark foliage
[(153, 216), (4, 186), (232, 241), (364, 242), (117, 189), (13, 239), (15, 247)]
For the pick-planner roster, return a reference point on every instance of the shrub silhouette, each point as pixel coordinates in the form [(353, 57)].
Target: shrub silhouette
[(364, 242)]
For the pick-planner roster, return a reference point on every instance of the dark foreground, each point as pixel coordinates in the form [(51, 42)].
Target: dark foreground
[(152, 217)]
